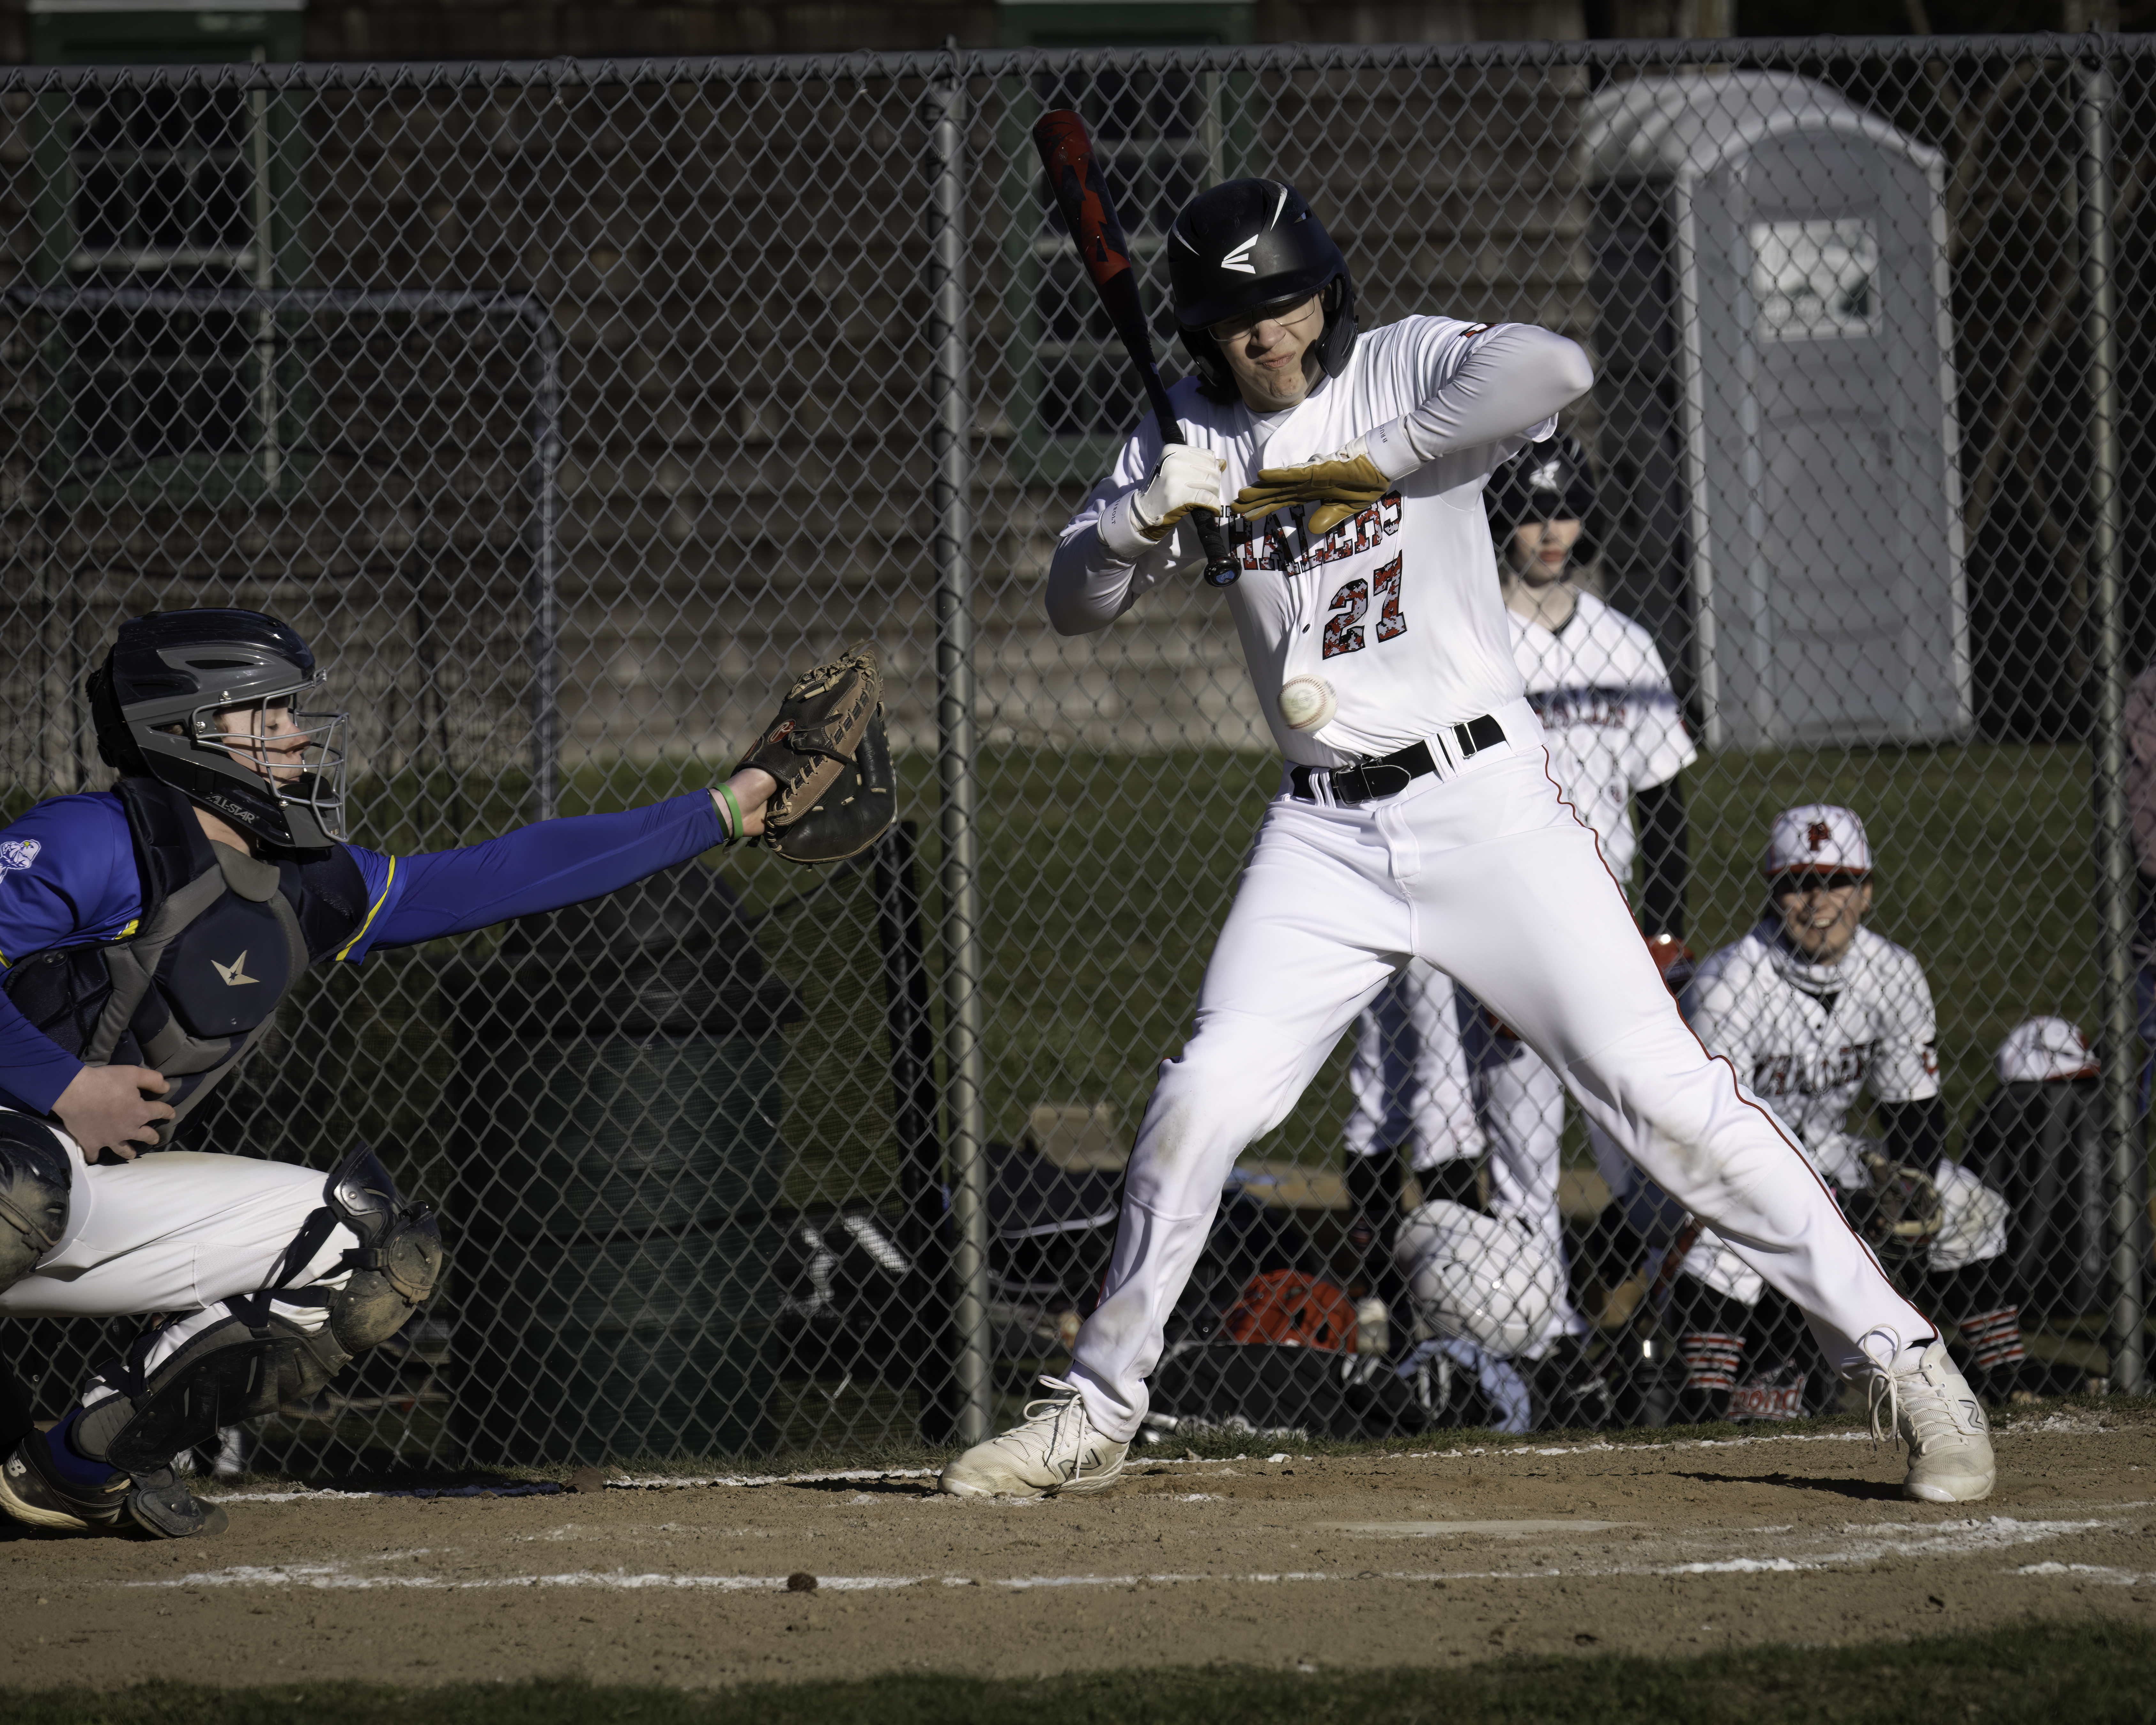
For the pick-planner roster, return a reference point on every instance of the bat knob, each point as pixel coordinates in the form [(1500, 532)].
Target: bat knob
[(1225, 573)]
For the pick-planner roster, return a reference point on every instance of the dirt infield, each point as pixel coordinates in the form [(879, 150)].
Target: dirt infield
[(1280, 1562)]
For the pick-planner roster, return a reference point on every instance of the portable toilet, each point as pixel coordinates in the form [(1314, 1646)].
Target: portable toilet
[(1777, 395)]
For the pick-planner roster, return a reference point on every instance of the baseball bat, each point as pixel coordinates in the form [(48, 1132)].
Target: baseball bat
[(1074, 176)]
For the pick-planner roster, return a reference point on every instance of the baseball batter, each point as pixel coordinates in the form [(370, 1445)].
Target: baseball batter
[(1815, 1010), (1416, 817), (149, 933), (1611, 724)]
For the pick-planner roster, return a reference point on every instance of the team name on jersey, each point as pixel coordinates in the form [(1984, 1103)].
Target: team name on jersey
[(1559, 707), (1271, 543), (1814, 1075)]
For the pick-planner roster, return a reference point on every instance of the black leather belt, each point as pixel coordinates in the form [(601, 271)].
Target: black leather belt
[(1389, 775)]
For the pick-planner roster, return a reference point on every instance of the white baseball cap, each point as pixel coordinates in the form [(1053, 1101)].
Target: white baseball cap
[(1818, 837), (2043, 1049)]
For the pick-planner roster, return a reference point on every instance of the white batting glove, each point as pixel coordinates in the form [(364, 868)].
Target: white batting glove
[(1186, 478)]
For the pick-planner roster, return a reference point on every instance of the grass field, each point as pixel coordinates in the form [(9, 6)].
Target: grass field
[(1105, 879), (2091, 1673)]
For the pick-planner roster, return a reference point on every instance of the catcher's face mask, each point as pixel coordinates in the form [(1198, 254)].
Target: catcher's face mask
[(300, 754)]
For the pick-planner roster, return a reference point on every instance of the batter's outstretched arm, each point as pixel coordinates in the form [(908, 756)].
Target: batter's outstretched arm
[(1511, 377)]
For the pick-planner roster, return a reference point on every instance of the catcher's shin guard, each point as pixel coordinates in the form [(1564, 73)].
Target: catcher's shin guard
[(244, 1365), (248, 1364), (256, 1359)]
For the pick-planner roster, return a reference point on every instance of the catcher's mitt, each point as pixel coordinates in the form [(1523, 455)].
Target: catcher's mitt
[(1900, 1212), (827, 749)]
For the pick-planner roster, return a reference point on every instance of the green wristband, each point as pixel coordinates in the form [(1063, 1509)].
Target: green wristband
[(741, 820)]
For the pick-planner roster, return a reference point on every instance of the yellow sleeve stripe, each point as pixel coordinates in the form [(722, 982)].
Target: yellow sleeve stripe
[(122, 936), (360, 933)]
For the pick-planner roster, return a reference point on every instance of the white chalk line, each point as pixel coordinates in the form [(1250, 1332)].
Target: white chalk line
[(645, 1483), (1868, 1545), (2091, 1572), (657, 1482), (2055, 1424)]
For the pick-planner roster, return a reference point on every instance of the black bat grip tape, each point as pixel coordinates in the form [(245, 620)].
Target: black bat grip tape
[(1221, 569)]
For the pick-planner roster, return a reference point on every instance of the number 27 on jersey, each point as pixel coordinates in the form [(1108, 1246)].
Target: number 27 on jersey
[(1343, 630)]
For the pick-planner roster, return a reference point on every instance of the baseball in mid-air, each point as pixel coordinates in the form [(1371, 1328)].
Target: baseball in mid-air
[(1307, 702)]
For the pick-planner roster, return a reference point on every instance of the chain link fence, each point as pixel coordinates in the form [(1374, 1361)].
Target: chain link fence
[(569, 408)]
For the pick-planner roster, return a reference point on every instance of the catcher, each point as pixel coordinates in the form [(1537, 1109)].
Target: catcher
[(149, 932), (1814, 1009)]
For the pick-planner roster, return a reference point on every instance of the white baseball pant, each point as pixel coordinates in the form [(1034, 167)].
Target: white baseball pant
[(1488, 876)]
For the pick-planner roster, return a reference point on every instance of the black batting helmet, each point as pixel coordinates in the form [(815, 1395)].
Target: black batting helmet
[(1246, 243), (156, 700), (1545, 482)]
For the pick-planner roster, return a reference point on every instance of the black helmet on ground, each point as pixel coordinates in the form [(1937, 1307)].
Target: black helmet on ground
[(1247, 244), (1545, 482), (156, 701)]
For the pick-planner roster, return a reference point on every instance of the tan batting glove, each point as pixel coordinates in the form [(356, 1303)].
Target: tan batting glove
[(1188, 478), (1343, 485)]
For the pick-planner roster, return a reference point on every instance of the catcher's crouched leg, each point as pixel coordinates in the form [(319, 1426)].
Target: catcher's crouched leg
[(244, 1357), (827, 749)]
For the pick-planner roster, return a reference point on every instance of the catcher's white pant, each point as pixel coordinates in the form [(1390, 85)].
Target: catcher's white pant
[(1488, 876), (179, 1233)]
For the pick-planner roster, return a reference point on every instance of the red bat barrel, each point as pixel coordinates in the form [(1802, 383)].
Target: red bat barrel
[(1074, 176)]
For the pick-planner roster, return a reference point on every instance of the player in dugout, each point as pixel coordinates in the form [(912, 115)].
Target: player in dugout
[(1815, 1010), (1416, 818), (149, 932), (1439, 1072)]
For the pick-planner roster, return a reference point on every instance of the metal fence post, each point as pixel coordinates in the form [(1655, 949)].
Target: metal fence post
[(544, 649), (964, 1056), (2123, 1153)]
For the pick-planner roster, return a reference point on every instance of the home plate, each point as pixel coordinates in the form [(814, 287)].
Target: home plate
[(1517, 1530)]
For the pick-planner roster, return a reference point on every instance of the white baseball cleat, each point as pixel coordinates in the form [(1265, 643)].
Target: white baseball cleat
[(1932, 1409), (1053, 1451)]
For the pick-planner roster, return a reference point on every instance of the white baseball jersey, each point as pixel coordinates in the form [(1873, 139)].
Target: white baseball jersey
[(1609, 717), (1806, 1038), (1398, 609)]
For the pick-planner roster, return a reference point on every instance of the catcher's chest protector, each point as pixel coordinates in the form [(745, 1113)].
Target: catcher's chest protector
[(222, 940)]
